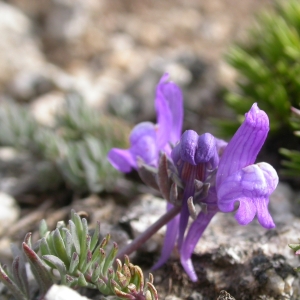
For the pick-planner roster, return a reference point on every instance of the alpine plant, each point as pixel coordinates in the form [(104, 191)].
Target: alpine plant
[(192, 169)]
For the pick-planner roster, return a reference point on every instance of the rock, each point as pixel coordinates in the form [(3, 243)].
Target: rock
[(195, 296), (68, 20), (29, 84), (141, 214), (5, 251), (18, 47), (9, 212), (20, 173), (225, 296), (250, 260), (46, 107), (60, 292), (172, 297)]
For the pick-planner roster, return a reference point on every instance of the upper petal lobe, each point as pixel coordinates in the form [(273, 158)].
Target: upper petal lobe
[(169, 110), (142, 144), (243, 148)]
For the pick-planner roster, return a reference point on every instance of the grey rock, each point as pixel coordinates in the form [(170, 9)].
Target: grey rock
[(9, 212), (250, 261), (18, 47), (21, 173), (60, 292), (68, 20), (225, 296), (141, 214), (195, 296), (28, 84)]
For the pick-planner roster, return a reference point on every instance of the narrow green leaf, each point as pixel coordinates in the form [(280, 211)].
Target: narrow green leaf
[(18, 294), (75, 237), (96, 237), (84, 243), (43, 228), (59, 264), (38, 268), (60, 248), (74, 263), (70, 248), (110, 259)]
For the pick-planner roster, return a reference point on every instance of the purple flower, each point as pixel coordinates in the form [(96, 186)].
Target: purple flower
[(200, 170), (237, 179), (148, 139)]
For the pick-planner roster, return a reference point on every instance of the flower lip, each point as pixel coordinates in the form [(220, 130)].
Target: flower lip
[(252, 182)]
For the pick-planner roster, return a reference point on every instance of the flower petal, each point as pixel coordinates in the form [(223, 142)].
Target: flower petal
[(188, 146), (206, 150), (221, 145), (263, 216), (245, 144), (246, 211), (170, 240), (143, 144), (184, 218), (270, 175), (251, 186), (169, 110), (121, 160), (196, 149), (194, 234)]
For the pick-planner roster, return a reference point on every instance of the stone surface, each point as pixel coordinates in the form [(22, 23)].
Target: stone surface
[(18, 47), (58, 292), (141, 214), (21, 173), (251, 262), (45, 107), (9, 212)]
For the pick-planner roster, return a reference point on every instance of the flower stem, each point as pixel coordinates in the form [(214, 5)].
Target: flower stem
[(147, 234)]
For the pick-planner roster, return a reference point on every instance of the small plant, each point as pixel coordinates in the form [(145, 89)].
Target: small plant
[(71, 256), (268, 67), (292, 166), (77, 144)]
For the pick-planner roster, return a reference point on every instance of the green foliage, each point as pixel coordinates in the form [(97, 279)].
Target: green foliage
[(268, 67), (292, 165), (77, 144), (71, 256)]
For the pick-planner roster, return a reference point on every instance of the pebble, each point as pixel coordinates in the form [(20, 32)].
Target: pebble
[(60, 292), (18, 47), (9, 211), (141, 214), (45, 107)]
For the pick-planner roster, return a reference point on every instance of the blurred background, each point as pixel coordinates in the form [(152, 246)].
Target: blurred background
[(113, 52), (76, 75)]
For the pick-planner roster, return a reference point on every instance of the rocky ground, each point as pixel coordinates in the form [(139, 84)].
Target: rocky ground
[(113, 54)]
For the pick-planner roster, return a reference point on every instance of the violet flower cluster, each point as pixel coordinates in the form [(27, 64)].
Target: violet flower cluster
[(200, 170)]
